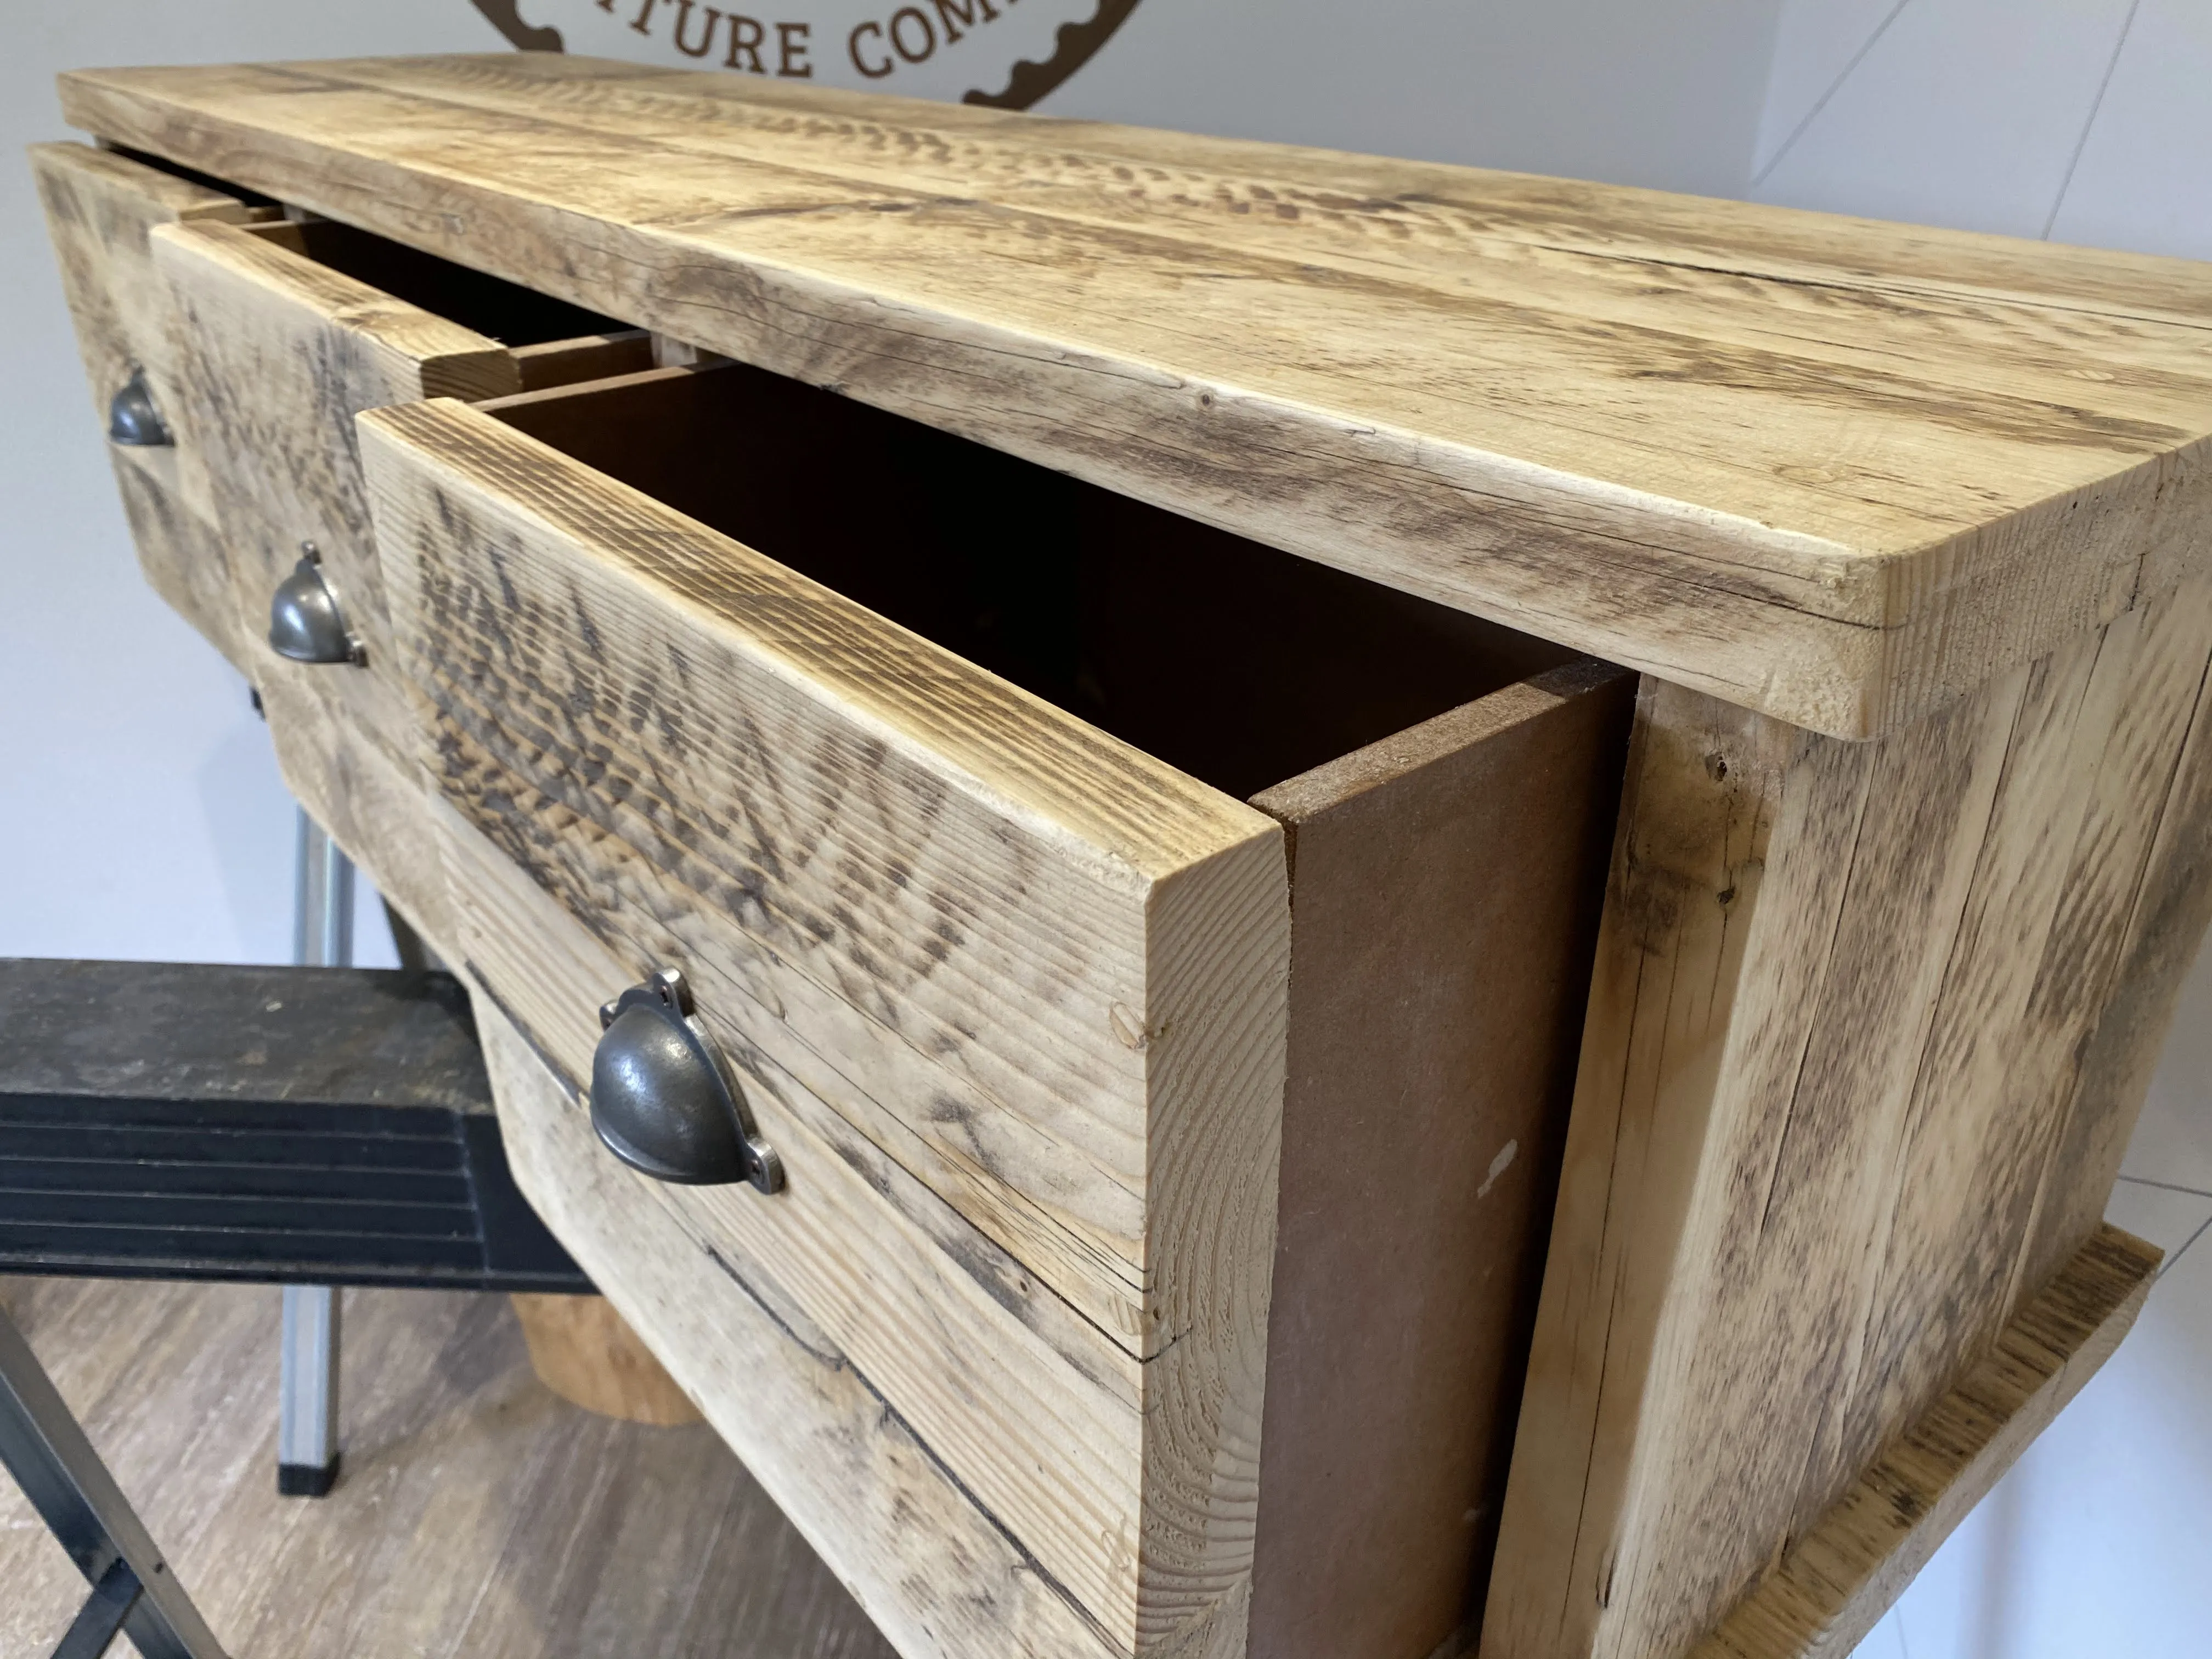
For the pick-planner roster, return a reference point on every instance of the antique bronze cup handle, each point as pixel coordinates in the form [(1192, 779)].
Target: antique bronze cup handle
[(306, 622), (132, 419), (664, 1098)]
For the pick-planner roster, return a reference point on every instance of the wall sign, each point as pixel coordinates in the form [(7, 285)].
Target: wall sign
[(1004, 53)]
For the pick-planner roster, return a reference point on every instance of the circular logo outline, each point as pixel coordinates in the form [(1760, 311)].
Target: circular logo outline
[(1074, 47)]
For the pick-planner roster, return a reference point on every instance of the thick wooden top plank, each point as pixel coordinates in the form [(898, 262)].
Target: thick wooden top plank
[(1834, 470)]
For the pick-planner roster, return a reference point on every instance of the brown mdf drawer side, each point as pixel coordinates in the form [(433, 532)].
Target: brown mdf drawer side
[(1049, 866), (277, 342), (101, 208), (1445, 888)]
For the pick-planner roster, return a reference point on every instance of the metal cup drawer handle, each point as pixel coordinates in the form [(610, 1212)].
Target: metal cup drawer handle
[(663, 1097), (306, 622), (132, 419)]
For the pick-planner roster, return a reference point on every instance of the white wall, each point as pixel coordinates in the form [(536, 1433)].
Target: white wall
[(2087, 121), (1663, 93), (141, 814)]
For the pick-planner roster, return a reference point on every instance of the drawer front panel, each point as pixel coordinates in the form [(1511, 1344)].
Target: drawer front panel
[(1035, 972), (100, 209), (181, 551), (276, 355), (1037, 1415), (938, 1576)]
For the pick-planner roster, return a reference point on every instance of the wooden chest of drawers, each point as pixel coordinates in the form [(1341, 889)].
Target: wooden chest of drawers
[(1072, 643)]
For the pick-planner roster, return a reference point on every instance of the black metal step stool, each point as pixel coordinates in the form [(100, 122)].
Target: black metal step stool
[(286, 1125)]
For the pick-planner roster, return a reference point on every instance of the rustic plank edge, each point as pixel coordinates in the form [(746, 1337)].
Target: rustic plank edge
[(1835, 1584)]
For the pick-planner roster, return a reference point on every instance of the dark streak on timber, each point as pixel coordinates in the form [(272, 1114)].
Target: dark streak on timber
[(892, 1417), (480, 984)]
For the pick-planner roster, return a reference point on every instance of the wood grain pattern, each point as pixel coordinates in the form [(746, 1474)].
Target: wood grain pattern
[(274, 356), (834, 827), (938, 1575), (887, 818), (2168, 911), (1445, 886), (1029, 1408), (180, 553), (1838, 1580), (479, 1516), (1836, 471), (1835, 1059), (100, 209)]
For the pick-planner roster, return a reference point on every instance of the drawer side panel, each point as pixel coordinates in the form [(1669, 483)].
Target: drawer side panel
[(1448, 884)]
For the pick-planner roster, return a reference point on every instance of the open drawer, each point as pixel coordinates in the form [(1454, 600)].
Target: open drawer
[(102, 207), (1044, 863), (282, 332)]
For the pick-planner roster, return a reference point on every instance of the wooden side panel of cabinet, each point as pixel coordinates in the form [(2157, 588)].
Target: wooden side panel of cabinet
[(1866, 1023), (1836, 1581)]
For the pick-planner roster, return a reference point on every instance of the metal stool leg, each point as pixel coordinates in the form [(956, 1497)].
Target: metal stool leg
[(45, 1448), (307, 1428), (307, 1419)]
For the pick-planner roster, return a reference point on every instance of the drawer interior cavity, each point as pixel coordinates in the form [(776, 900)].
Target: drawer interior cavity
[(495, 308), (502, 310), (1238, 664)]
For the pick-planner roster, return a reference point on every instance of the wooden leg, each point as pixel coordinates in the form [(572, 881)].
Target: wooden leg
[(1869, 1027), (582, 1350)]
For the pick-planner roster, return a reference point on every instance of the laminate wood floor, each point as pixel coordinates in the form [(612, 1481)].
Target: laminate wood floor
[(479, 1514)]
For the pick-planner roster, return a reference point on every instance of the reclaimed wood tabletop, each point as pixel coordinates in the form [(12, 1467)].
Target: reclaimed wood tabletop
[(1836, 471)]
